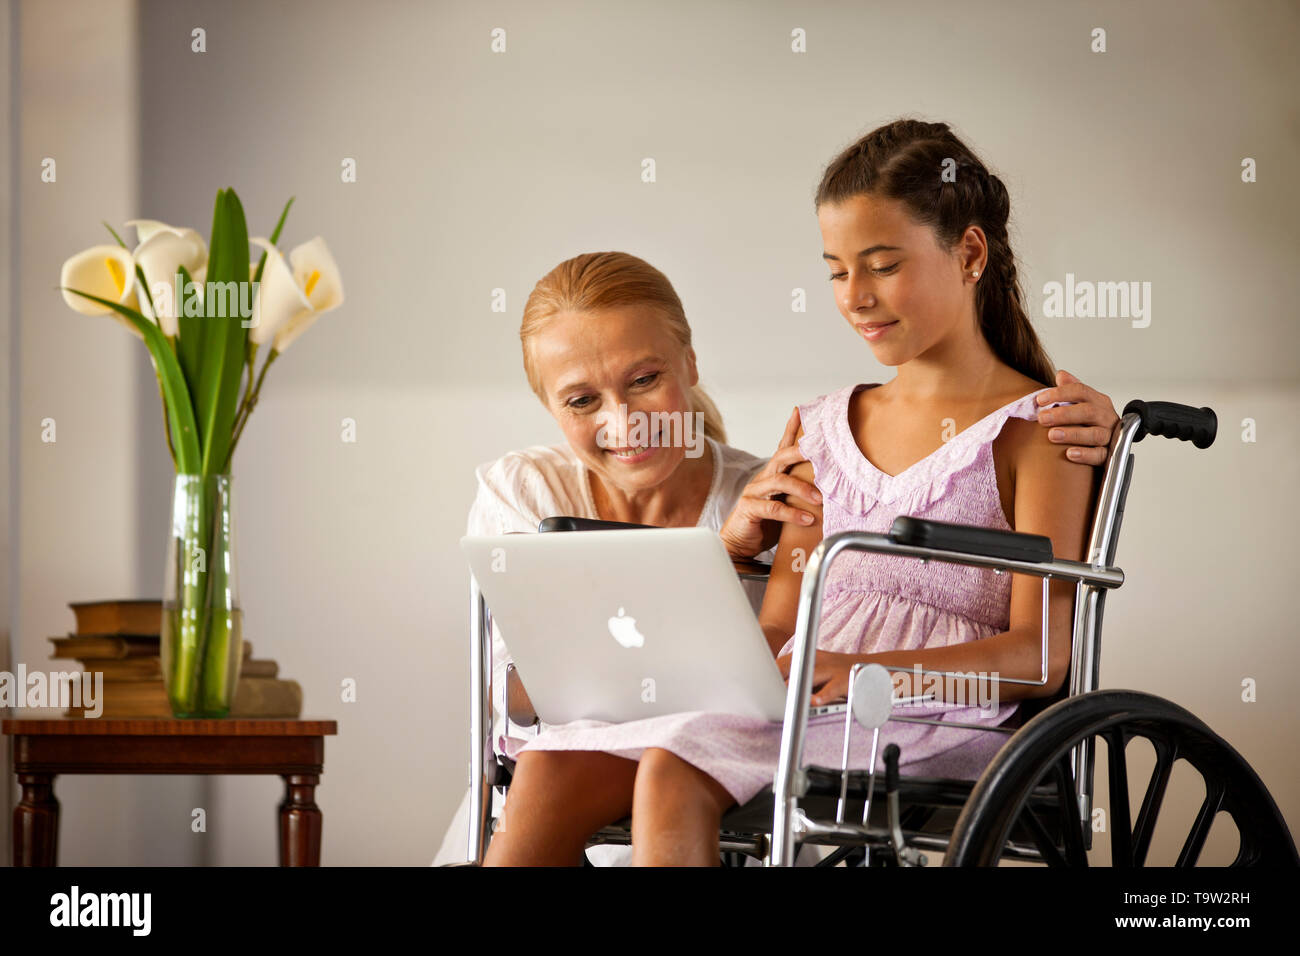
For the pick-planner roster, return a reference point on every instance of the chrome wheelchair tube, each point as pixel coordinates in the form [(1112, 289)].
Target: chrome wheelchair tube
[(1106, 577), (871, 789), (844, 754), (1101, 550), (1009, 731), (1010, 851), (789, 782), (1110, 502), (480, 722), (837, 834), (1089, 601), (849, 718)]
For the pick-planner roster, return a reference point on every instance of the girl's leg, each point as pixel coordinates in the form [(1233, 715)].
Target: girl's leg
[(556, 800), (676, 811)]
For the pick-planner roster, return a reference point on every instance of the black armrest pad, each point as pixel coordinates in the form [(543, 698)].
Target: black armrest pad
[(971, 539), (566, 523), (743, 566)]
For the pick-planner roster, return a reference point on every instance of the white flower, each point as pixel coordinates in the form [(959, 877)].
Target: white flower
[(105, 271), (292, 295), (163, 249), (278, 300)]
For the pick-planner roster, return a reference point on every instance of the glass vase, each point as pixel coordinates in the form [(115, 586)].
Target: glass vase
[(201, 640)]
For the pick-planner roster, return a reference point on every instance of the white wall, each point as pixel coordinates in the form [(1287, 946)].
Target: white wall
[(8, 376), (481, 171), (78, 535)]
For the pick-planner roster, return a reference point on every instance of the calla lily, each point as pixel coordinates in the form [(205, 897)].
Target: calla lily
[(317, 274), (294, 294), (164, 249), (145, 228), (105, 271), (279, 298)]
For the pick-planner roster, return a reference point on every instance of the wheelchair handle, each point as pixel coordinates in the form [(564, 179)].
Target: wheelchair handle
[(1172, 420)]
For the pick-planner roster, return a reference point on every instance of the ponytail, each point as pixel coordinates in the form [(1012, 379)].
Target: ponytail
[(906, 161)]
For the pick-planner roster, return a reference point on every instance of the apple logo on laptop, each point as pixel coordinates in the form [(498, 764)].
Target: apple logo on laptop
[(624, 630)]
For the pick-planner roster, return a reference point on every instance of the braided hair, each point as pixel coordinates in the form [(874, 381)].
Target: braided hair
[(906, 160)]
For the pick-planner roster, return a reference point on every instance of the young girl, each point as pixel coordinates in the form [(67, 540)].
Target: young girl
[(914, 231)]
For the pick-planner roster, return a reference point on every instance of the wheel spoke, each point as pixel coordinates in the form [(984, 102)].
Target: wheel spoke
[(835, 856), (1166, 753), (1071, 828), (1046, 845), (1201, 828), (1013, 796), (1121, 836)]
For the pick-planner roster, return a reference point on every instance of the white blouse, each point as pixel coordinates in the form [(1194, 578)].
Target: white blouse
[(515, 493), (521, 488)]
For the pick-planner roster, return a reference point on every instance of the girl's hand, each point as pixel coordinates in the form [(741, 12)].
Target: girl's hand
[(754, 525), (830, 675), (1093, 416)]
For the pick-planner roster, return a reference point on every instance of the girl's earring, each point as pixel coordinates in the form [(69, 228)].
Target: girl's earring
[(976, 274)]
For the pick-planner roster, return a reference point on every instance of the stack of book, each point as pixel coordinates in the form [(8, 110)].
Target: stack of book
[(120, 639)]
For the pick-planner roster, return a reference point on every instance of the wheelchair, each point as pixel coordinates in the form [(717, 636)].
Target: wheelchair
[(1034, 801)]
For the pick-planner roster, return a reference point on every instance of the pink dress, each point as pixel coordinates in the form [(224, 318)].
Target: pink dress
[(872, 603)]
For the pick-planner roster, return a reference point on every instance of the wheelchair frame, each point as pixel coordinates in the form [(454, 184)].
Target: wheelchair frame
[(1003, 551)]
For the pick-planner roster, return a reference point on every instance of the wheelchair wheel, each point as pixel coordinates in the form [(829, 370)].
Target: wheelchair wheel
[(1039, 752)]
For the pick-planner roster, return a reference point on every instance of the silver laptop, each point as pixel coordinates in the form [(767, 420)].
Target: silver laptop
[(623, 625)]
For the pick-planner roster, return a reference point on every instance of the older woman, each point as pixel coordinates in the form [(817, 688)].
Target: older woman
[(606, 346)]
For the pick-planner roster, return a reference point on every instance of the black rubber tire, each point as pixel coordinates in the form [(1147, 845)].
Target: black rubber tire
[(1039, 751)]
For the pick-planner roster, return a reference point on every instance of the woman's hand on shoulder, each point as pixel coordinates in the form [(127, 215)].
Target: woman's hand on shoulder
[(1086, 426), (755, 523)]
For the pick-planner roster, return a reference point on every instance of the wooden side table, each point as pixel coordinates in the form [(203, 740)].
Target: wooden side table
[(46, 747)]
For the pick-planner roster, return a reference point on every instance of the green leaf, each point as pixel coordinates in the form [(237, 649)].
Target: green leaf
[(185, 436), (144, 287), (224, 337), (116, 236), (275, 237), (189, 339)]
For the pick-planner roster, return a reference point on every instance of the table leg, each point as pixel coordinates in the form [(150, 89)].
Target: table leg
[(36, 821), (300, 821)]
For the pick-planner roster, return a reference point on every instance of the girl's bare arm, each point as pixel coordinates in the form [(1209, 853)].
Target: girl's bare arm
[(1084, 428), (1052, 498)]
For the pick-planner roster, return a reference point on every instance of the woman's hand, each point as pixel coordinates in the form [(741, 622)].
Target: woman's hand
[(754, 525), (1093, 417), (830, 675)]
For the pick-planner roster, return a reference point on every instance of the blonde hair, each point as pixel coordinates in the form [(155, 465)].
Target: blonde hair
[(604, 280)]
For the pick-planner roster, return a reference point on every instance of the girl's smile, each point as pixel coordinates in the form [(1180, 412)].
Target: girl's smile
[(871, 331), (884, 264)]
